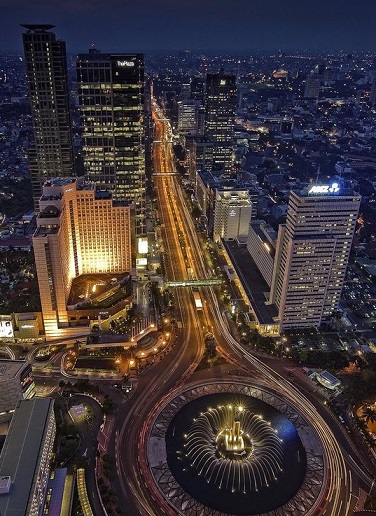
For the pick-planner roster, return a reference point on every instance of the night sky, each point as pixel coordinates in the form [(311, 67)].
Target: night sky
[(228, 25)]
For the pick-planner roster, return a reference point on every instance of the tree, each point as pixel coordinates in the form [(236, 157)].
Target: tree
[(108, 405), (196, 212), (210, 346), (369, 414)]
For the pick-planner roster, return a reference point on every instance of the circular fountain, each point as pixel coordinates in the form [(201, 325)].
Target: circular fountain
[(235, 454), (234, 449)]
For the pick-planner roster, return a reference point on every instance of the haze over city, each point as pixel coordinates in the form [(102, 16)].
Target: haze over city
[(206, 25)]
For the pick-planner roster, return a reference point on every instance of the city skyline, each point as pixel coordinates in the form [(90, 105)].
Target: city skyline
[(192, 301), (166, 25)]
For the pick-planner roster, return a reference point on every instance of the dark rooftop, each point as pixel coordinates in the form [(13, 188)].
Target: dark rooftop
[(44, 231), (96, 287), (37, 27), (19, 456), (253, 283)]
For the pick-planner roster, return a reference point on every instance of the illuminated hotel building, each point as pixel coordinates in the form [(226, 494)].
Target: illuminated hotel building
[(220, 108), (111, 103), (79, 231), (312, 253), (51, 154)]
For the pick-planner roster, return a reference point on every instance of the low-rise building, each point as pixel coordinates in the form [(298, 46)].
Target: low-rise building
[(25, 458), (16, 384)]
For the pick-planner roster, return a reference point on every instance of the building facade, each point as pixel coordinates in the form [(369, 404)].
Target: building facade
[(51, 155), (79, 231), (111, 104), (220, 109), (313, 83), (232, 214), (16, 384), (261, 246), (187, 117), (26, 456), (312, 253)]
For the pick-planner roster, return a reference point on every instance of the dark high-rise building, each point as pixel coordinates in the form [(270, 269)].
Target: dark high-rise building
[(197, 89), (51, 154), (111, 102), (220, 108), (372, 94), (313, 82)]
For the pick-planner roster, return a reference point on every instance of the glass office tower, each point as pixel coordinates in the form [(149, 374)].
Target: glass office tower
[(111, 103)]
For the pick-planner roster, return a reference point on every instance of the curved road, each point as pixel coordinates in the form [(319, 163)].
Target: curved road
[(183, 257)]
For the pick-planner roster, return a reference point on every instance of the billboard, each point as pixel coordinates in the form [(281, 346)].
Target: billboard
[(6, 327)]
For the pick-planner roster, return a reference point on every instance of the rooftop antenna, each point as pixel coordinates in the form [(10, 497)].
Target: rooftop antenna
[(342, 171), (318, 174)]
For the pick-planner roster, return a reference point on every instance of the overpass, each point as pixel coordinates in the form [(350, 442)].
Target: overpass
[(193, 283), (165, 174)]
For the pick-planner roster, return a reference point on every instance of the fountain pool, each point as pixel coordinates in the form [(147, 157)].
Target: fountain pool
[(235, 454)]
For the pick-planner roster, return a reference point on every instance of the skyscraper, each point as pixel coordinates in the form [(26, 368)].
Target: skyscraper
[(111, 102), (220, 109), (51, 154), (80, 231), (197, 89), (313, 83), (232, 214), (312, 253), (187, 116)]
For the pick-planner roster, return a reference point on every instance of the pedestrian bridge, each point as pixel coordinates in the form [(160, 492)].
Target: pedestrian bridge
[(193, 283), (165, 174)]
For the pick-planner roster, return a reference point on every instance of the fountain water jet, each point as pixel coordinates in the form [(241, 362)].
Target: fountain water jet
[(233, 460), (234, 449)]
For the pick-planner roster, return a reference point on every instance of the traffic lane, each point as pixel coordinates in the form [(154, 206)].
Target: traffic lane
[(342, 432)]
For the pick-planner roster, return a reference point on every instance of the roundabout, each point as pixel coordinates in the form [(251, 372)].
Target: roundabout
[(233, 448)]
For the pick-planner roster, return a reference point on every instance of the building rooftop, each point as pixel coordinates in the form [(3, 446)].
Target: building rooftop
[(44, 231), (96, 55), (266, 234), (55, 491), (60, 181), (37, 27), (19, 456), (252, 280), (96, 287), (331, 189), (328, 380), (10, 368)]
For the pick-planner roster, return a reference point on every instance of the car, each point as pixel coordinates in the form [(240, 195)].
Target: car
[(341, 419)]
